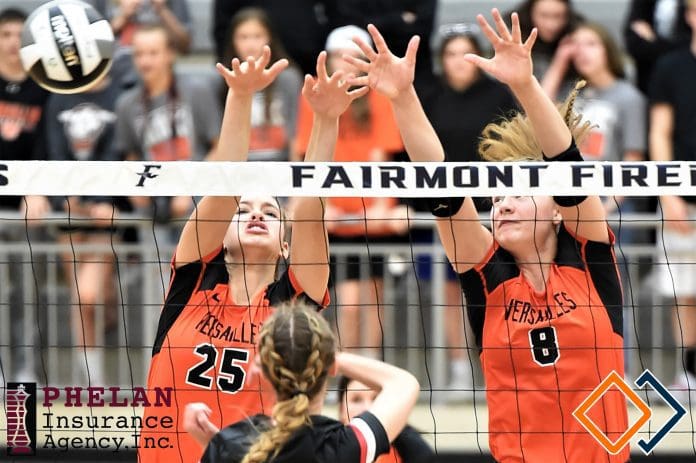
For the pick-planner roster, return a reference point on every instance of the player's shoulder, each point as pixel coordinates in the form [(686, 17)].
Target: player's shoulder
[(232, 443)]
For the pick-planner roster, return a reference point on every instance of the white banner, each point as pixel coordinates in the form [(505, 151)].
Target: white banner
[(54, 178)]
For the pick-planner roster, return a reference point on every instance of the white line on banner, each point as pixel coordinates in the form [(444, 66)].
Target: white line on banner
[(55, 178)]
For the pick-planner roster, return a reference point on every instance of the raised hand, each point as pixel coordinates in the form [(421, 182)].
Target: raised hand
[(385, 72), (251, 76), (329, 96), (512, 62), (197, 423)]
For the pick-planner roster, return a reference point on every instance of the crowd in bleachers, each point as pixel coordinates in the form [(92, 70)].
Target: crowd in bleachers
[(641, 100)]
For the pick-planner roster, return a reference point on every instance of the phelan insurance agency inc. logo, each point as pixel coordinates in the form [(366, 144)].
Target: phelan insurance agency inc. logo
[(75, 418), (20, 406), (614, 380)]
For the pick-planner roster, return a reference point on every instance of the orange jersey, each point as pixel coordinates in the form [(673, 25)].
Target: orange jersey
[(356, 143), (204, 350), (543, 353)]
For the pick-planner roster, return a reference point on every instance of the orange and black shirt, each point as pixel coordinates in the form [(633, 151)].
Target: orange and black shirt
[(542, 353), (204, 351)]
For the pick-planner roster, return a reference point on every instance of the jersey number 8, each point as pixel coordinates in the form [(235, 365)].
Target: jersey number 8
[(544, 345), (231, 375)]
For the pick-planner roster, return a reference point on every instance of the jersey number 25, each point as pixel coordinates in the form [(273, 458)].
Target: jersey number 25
[(230, 375)]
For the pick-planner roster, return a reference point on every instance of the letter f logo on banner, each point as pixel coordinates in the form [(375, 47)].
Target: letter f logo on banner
[(615, 380), (147, 173)]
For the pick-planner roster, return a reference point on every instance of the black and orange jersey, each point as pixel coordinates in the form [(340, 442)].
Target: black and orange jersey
[(542, 353), (325, 441), (204, 351)]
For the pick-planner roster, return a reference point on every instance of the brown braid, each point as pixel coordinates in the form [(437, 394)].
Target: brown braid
[(296, 349), (512, 139)]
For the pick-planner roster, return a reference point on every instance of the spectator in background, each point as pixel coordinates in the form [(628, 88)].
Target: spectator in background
[(672, 138), (653, 28), (398, 20), (448, 104), (22, 118), (81, 127), (301, 25), (617, 109), (173, 15), (554, 20), (22, 104), (274, 109), (367, 132), (355, 398), (168, 117), (127, 15)]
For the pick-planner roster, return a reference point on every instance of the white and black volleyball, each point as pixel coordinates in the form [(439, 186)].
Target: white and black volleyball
[(67, 46)]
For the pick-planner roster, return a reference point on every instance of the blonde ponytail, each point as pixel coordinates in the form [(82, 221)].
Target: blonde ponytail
[(512, 139)]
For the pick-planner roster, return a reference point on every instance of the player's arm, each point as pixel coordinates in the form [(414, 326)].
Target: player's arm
[(393, 77), (329, 97), (512, 65), (398, 389), (197, 423), (206, 228)]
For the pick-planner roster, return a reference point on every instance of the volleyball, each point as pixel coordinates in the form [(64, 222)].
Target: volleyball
[(67, 46)]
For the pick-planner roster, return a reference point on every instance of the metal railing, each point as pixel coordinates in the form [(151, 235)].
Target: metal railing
[(35, 305)]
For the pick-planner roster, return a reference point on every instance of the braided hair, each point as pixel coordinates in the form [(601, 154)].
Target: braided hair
[(296, 349), (512, 139)]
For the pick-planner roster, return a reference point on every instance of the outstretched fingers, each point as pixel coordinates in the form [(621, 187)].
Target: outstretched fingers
[(487, 30), (358, 92), (247, 66), (365, 48), (277, 67), (412, 50), (516, 29), (361, 65), (264, 59), (483, 63), (362, 81), (380, 43), (337, 78), (529, 43), (222, 70), (236, 66), (309, 83), (322, 75), (501, 26)]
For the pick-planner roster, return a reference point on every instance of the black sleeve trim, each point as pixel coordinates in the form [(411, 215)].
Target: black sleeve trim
[(445, 207), (601, 264), (181, 287), (572, 154), (475, 295), (183, 283)]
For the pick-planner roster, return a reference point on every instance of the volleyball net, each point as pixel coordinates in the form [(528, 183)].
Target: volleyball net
[(67, 275)]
